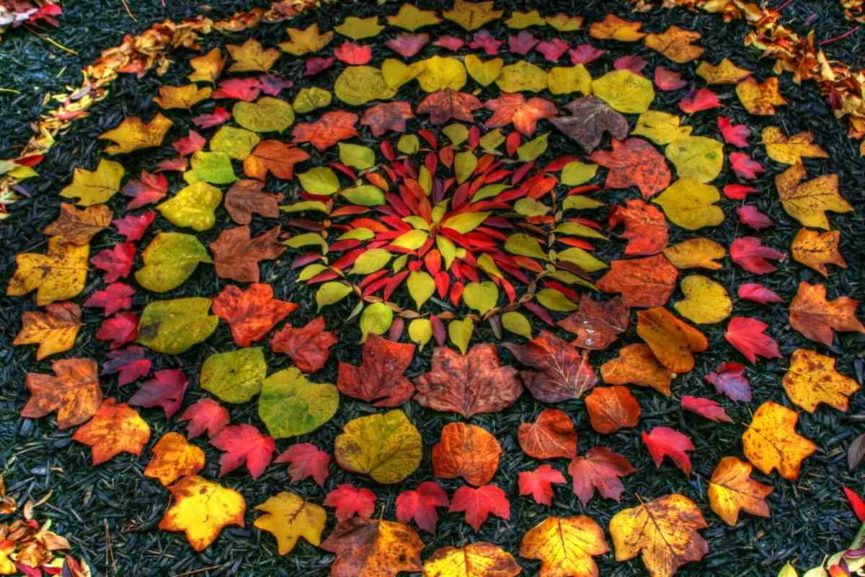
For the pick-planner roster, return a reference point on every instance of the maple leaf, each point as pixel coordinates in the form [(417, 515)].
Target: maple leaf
[(611, 409), (349, 501), (116, 262), (816, 317), (54, 330), (408, 45), (812, 379), (636, 364), (539, 483), (749, 253), (634, 162), (746, 335), (387, 116), (735, 134), (353, 53), (565, 546), (468, 384), (750, 216), (771, 441), (791, 150), (305, 41), (666, 442), (551, 435), (760, 99), (119, 329), (379, 379), (274, 157), (744, 166), (247, 197), (115, 297), (599, 469), (79, 226), (201, 509), (699, 100), (672, 340), (130, 364), (289, 517), (645, 227), (479, 503), (305, 460), (472, 15), (236, 255), (250, 313), (466, 451), (808, 202), (817, 249), (74, 392), (614, 28), (205, 415), (523, 114), (243, 444), (329, 129), (166, 390), (676, 43), (307, 346), (479, 559), (134, 134), (445, 105), (115, 428), (419, 505), (562, 371), (58, 275), (174, 458), (642, 282), (133, 226), (706, 408), (373, 547), (590, 118), (664, 529), (731, 490), (597, 324)]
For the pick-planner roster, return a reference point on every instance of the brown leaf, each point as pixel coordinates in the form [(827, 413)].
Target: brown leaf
[(53, 330), (642, 282), (552, 435), (816, 318), (597, 324), (562, 372), (247, 197), (466, 451), (236, 255), (590, 118), (373, 548), (379, 379), (448, 104), (387, 116), (74, 393), (78, 226)]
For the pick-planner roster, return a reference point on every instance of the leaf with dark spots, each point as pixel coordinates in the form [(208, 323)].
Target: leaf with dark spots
[(590, 118)]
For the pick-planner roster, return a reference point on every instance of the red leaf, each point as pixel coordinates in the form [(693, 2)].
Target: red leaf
[(448, 104), (600, 469), (666, 442), (630, 62), (485, 41), (522, 43), (478, 504), (562, 372), (379, 379), (751, 216), (749, 253), (856, 503), (352, 53), (420, 505), (272, 85), (706, 408), (645, 227), (307, 346), (634, 162), (699, 100), (118, 330), (332, 127), (737, 191), (250, 313), (317, 65), (585, 54), (116, 261), (243, 444), (523, 114), (246, 89), (186, 145), (205, 415), (407, 45), (306, 460), (115, 297), (166, 389), (735, 134), (729, 379), (130, 364), (147, 189), (553, 49), (539, 483), (744, 166), (349, 501), (387, 116), (449, 43), (746, 336), (219, 116), (597, 324), (551, 435), (133, 227), (668, 80), (758, 293)]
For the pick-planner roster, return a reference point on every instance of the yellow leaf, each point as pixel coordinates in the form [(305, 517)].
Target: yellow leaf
[(54, 330), (174, 458), (696, 253), (677, 44), (472, 15), (330, 293), (193, 206), (312, 98), (291, 405), (357, 85), (614, 28), (356, 156), (569, 79), (97, 186), (375, 319), (522, 20), (812, 379), (480, 559), (817, 249), (484, 72), (725, 72), (465, 222), (288, 517), (420, 332), (440, 73), (421, 287), (385, 446), (460, 333), (371, 261), (517, 323), (251, 57), (706, 301), (174, 326), (625, 91), (565, 546), (771, 441), (481, 296), (207, 67), (523, 76), (665, 530), (791, 150), (235, 142), (760, 99), (359, 28), (660, 127), (134, 134), (731, 490), (691, 204), (115, 428), (58, 275), (565, 22), (576, 173), (554, 300), (266, 114), (396, 73), (181, 96), (305, 41), (412, 18), (809, 201), (201, 509), (698, 158)]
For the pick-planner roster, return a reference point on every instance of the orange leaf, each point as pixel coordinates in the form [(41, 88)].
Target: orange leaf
[(731, 490), (373, 548), (173, 458), (676, 43), (672, 340), (771, 441), (614, 28), (74, 393), (812, 379), (333, 126), (760, 99), (611, 409), (523, 114), (53, 330), (636, 365), (645, 227), (114, 429), (551, 435), (466, 451), (307, 346), (387, 116), (250, 313), (479, 559), (597, 324), (816, 317), (817, 249), (275, 157), (642, 282), (634, 162), (78, 226), (565, 546)]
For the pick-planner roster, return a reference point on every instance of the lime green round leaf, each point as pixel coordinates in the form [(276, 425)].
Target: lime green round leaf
[(174, 326), (420, 332), (266, 114), (169, 260), (290, 405), (330, 293), (320, 180), (356, 156), (234, 376), (481, 296), (460, 333), (357, 85), (371, 261), (375, 319), (625, 91), (385, 446), (698, 158), (553, 300), (194, 206), (312, 98), (212, 167), (421, 287), (237, 143), (408, 144)]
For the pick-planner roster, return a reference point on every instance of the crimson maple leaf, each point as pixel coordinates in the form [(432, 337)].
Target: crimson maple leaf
[(350, 501), (307, 346), (205, 415), (539, 483), (166, 389), (523, 114), (244, 444), (250, 313), (130, 364), (749, 253), (746, 335), (236, 255), (305, 460), (634, 162), (116, 261), (133, 226), (379, 379), (147, 189), (448, 104), (744, 166), (479, 503), (599, 469), (332, 127), (420, 505), (735, 134), (246, 89), (118, 330), (115, 297), (666, 442), (387, 116)]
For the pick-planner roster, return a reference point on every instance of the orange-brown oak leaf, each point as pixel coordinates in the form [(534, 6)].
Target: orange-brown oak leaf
[(812, 379), (597, 324), (274, 157), (247, 197), (642, 282), (634, 162), (523, 114), (78, 226), (637, 365), (448, 104), (236, 254), (54, 330), (332, 127), (672, 340), (387, 116)]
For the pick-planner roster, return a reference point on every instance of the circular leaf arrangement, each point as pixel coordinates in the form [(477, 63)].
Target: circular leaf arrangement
[(489, 203)]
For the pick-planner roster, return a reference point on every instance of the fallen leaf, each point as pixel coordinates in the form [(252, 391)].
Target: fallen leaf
[(385, 446), (706, 301), (54, 330), (184, 97), (539, 483), (725, 72), (645, 226), (205, 415), (134, 134), (307, 346), (732, 490), (56, 276), (115, 297), (817, 249), (642, 282), (812, 379), (193, 206), (690, 204), (729, 379), (771, 441), (419, 505), (174, 458), (379, 379), (387, 116), (305, 460), (305, 41), (234, 376), (479, 503), (445, 105), (677, 44), (246, 197), (243, 444), (236, 254), (290, 405), (411, 18), (74, 392), (746, 335), (166, 390), (749, 253), (251, 56), (565, 546), (288, 517), (202, 509), (471, 15), (169, 261), (808, 202), (597, 324), (174, 326), (332, 127), (79, 226), (611, 409), (116, 262), (757, 293), (114, 429), (706, 408), (696, 252), (637, 365), (479, 559), (552, 435), (666, 442), (817, 318), (671, 340), (252, 313), (590, 118), (614, 28), (791, 150), (466, 451), (523, 114), (562, 372), (349, 501), (599, 469), (273, 157), (373, 548), (634, 162), (760, 98)]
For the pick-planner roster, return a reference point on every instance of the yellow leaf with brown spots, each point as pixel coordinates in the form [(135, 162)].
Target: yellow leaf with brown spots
[(812, 379), (174, 458), (373, 548), (614, 28), (53, 330), (565, 546), (79, 226), (385, 446), (791, 150), (134, 134), (181, 96), (706, 301), (809, 201), (201, 509), (725, 72), (251, 56), (95, 186), (771, 441), (760, 98), (480, 559), (115, 428), (56, 276), (697, 252), (288, 517), (472, 15), (731, 490), (817, 249), (677, 44)]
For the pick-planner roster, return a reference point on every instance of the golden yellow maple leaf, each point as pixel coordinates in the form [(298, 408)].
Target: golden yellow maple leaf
[(359, 28), (699, 252), (731, 490), (251, 56), (134, 134), (58, 275), (614, 28), (305, 41), (791, 150), (288, 517), (760, 98), (812, 379), (771, 441), (565, 546), (95, 186), (725, 72), (480, 559), (207, 67), (174, 458), (472, 15), (181, 96), (115, 428), (201, 509), (817, 249), (54, 330), (676, 43), (809, 201)]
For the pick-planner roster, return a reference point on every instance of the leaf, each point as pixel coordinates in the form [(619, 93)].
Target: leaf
[(611, 409), (642, 282), (817, 249), (636, 364), (387, 116), (569, 79), (169, 260), (791, 150), (645, 226), (746, 335), (523, 114), (358, 85), (174, 458), (74, 392), (267, 114), (54, 330), (599, 469), (349, 501), (484, 72), (614, 28), (201, 509), (634, 162), (539, 483), (274, 157), (856, 453), (666, 442), (479, 503), (291, 406), (207, 67), (478, 559), (471, 15), (665, 530), (729, 379), (590, 118), (236, 255), (552, 435), (246, 197), (816, 317), (808, 202), (234, 376), (134, 134), (468, 384), (419, 505), (706, 408), (288, 517), (210, 167), (624, 91), (305, 41), (114, 429), (731, 490), (251, 314), (812, 379), (205, 415), (379, 379), (561, 371), (79, 226), (181, 96), (305, 460), (166, 390), (173, 326), (445, 105), (373, 548), (677, 44), (95, 186), (597, 324), (116, 262), (565, 546), (760, 98), (320, 180), (412, 18), (695, 253), (749, 253), (466, 451), (725, 72), (690, 204), (771, 441), (251, 57), (193, 206), (307, 346), (706, 301), (332, 127), (385, 446), (696, 158), (243, 444)]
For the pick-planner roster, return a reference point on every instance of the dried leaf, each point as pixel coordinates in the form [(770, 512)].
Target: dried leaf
[(466, 451)]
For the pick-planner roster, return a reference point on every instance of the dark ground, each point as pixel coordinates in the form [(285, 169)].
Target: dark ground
[(110, 512)]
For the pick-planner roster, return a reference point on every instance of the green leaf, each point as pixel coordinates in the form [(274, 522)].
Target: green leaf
[(421, 287), (237, 143), (194, 206), (319, 180), (460, 333), (532, 149), (356, 156), (411, 240), (169, 260), (371, 261), (457, 133), (530, 207), (464, 165), (522, 244), (580, 202), (577, 229), (481, 296), (408, 144), (489, 191), (364, 195), (290, 405), (312, 98), (310, 271), (234, 376), (305, 205), (375, 319), (492, 140), (581, 258), (330, 293), (174, 326), (554, 300), (266, 114), (212, 167), (465, 222), (307, 239), (420, 332), (577, 173), (517, 323)]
